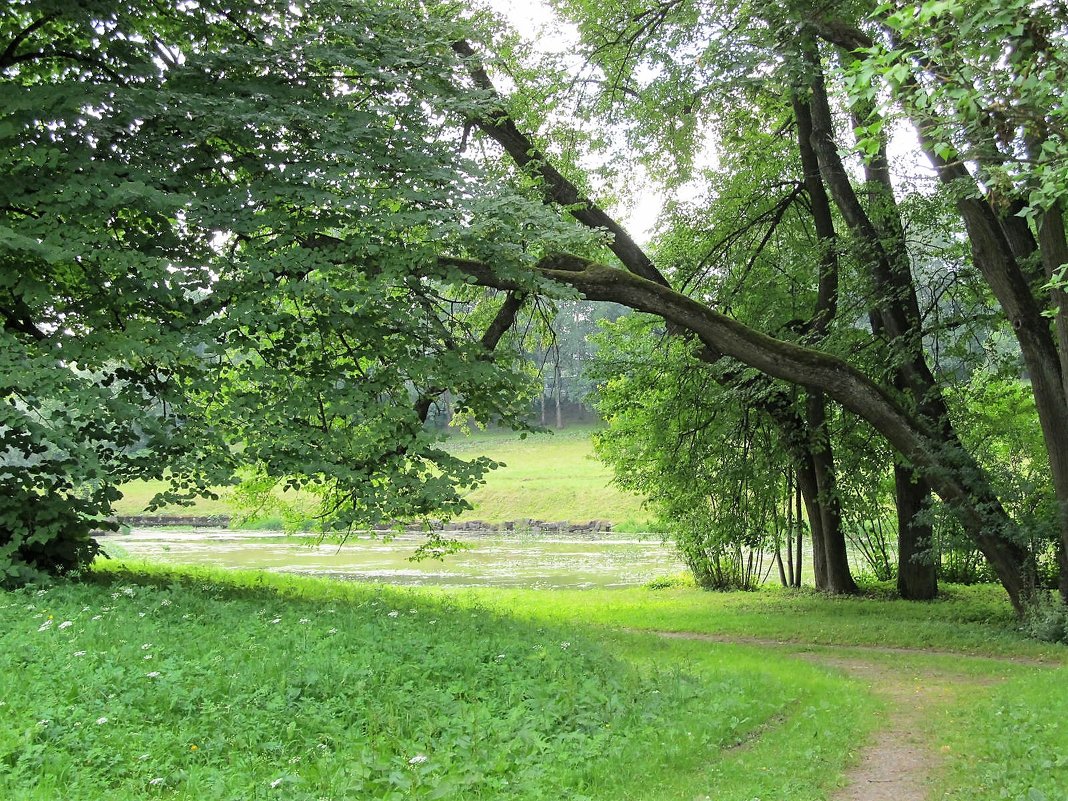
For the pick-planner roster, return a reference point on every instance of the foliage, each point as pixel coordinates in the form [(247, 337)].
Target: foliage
[(218, 244), (709, 467), (540, 476), (1047, 619)]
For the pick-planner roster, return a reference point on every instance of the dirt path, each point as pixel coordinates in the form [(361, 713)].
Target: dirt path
[(903, 755)]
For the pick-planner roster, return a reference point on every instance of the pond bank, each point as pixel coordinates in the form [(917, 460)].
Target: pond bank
[(588, 528), (503, 559)]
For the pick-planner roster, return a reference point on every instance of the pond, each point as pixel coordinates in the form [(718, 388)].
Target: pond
[(515, 560)]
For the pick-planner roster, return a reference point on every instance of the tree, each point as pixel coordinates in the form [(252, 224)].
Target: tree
[(176, 302), (276, 202)]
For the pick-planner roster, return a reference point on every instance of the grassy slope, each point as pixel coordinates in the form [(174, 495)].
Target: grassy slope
[(208, 685), (337, 696), (546, 477)]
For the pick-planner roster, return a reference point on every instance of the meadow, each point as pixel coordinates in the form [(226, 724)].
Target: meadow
[(548, 476), (141, 681)]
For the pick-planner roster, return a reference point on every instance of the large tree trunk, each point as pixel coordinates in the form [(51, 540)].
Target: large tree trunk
[(808, 487), (836, 575), (916, 571)]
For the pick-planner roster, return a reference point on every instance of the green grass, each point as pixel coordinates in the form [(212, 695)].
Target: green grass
[(551, 477), (1014, 744), (191, 685), (188, 683), (971, 620)]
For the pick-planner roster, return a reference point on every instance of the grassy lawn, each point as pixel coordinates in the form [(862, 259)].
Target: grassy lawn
[(192, 685), (548, 477)]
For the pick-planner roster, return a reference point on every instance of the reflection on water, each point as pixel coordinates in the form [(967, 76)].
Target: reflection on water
[(516, 561)]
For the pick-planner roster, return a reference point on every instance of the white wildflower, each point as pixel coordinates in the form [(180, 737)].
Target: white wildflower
[(155, 674), (101, 721), (96, 617), (332, 631), (276, 620), (418, 759), (565, 645), (128, 592), (146, 646), (303, 620), (45, 626), (499, 657), (66, 624), (79, 653), (144, 757), (394, 613), (141, 614), (165, 602), (147, 656), (157, 780), (276, 783)]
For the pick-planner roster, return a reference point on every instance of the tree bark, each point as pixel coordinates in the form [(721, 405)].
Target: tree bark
[(916, 571), (836, 576)]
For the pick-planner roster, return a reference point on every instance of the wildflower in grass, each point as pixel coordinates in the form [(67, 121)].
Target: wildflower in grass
[(157, 780), (165, 602), (96, 617), (194, 747), (128, 592), (66, 624), (147, 656), (46, 625), (276, 783), (146, 646), (565, 645), (418, 759), (394, 613), (101, 721), (79, 653), (499, 657), (412, 611), (303, 620), (332, 631), (276, 620), (144, 757), (43, 723), (155, 674), (141, 614)]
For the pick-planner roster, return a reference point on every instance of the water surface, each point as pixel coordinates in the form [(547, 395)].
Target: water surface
[(514, 560)]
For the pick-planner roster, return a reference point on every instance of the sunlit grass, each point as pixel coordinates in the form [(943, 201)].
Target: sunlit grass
[(550, 477), (195, 685)]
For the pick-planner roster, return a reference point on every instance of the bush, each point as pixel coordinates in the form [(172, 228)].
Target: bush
[(1047, 619), (43, 535)]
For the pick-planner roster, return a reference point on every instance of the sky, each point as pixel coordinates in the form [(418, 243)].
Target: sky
[(531, 18)]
